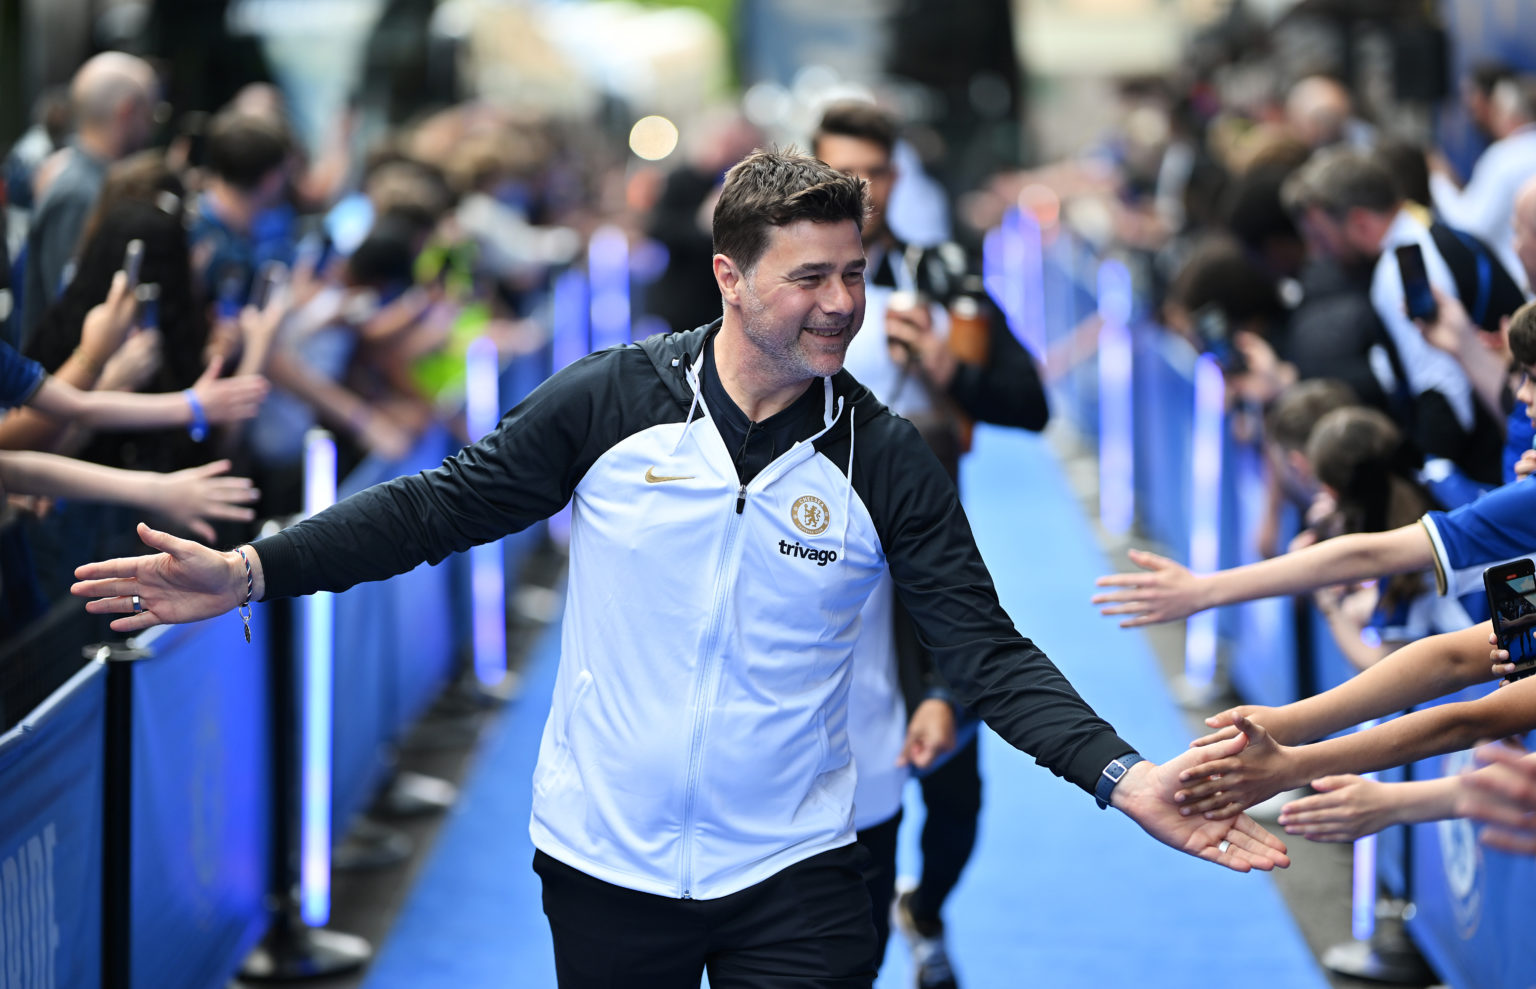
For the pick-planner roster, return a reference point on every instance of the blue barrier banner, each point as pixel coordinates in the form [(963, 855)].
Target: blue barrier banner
[(359, 759), (202, 803), (1473, 904), (51, 839)]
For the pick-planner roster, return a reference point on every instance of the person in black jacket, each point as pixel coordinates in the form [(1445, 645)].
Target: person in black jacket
[(917, 291), (690, 813)]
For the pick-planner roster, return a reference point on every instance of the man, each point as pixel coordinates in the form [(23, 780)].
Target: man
[(1351, 208), (1483, 206), (247, 172), (693, 795), (912, 369), (113, 96)]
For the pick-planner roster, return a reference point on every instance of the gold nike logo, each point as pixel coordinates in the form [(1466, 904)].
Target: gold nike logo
[(651, 477)]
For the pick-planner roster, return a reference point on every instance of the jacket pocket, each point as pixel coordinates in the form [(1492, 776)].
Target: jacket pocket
[(556, 767)]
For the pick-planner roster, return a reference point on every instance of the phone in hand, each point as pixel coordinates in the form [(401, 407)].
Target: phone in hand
[(1418, 296), (133, 261), (270, 279), (1511, 589), (1215, 335)]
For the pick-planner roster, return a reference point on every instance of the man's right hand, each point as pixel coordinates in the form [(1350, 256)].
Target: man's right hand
[(1166, 592), (185, 582)]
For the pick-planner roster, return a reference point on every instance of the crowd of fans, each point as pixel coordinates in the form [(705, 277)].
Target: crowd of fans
[(181, 311), (1371, 313)]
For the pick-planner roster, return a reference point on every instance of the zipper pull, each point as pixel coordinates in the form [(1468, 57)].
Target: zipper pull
[(741, 499)]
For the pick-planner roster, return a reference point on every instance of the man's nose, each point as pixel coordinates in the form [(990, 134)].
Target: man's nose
[(837, 297)]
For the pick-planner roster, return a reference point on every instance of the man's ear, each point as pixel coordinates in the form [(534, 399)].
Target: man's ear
[(729, 278)]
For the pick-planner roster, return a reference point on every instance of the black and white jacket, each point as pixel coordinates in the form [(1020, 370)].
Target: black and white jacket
[(697, 742)]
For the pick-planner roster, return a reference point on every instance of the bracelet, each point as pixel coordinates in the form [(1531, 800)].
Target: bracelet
[(244, 608), (198, 427)]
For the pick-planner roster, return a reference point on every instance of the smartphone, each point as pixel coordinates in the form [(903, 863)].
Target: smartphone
[(270, 280), (1511, 591), (133, 261), (1215, 336), (1417, 294), (148, 315), (231, 295)]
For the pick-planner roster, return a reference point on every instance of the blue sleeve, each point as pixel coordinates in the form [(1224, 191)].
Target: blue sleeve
[(1497, 527), (20, 377)]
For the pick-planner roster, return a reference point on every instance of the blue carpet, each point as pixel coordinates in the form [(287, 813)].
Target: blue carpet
[(1059, 894)]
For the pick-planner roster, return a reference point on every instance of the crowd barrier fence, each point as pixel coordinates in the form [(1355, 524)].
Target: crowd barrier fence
[(144, 834), (1468, 901)]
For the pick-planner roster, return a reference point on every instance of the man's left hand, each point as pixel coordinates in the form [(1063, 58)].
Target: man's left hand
[(910, 331), (1145, 794)]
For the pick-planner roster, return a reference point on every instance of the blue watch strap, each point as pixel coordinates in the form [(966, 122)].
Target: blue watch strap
[(1111, 776)]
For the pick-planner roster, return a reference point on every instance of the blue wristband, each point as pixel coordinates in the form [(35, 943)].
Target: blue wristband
[(1111, 776), (198, 427)]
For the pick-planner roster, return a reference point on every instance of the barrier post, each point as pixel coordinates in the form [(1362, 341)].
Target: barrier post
[(1117, 428), (487, 562), (297, 947), (1198, 685)]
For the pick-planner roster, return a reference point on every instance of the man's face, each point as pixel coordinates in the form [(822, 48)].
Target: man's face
[(870, 162), (804, 301)]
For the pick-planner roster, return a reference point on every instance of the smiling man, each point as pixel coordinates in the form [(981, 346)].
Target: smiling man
[(693, 798)]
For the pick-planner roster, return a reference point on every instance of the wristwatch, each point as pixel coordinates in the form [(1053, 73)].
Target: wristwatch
[(1111, 775)]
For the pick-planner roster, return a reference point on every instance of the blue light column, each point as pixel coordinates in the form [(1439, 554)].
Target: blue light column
[(317, 678), (1210, 423), (608, 270), (1117, 462), (1362, 897), (487, 562)]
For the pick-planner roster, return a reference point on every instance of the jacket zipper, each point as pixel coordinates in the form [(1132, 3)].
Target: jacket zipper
[(701, 691)]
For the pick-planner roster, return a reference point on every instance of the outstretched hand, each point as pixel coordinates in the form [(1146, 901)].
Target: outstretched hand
[(1345, 807), (1146, 795), (229, 399), (1165, 592), (185, 582), (1241, 767), (197, 494)]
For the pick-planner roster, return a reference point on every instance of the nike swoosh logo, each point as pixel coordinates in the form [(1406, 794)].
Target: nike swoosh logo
[(651, 477)]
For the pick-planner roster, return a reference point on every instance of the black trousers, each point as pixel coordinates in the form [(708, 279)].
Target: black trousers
[(880, 876), (807, 927), (952, 802)]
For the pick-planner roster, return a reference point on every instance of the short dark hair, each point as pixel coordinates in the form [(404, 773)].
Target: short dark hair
[(243, 149), (1218, 273), (776, 188), (1290, 417), (1409, 168), (858, 119), (1337, 180), (1522, 335)]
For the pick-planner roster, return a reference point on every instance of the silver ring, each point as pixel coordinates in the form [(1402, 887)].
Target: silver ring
[(1225, 844), (138, 606)]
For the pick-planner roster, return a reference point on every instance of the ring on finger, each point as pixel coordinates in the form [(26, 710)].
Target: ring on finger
[(138, 605), (1225, 844)]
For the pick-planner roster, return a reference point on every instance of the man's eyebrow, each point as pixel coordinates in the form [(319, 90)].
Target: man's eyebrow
[(820, 267)]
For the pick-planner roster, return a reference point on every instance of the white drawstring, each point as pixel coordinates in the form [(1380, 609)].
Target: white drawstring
[(693, 381), (842, 551)]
